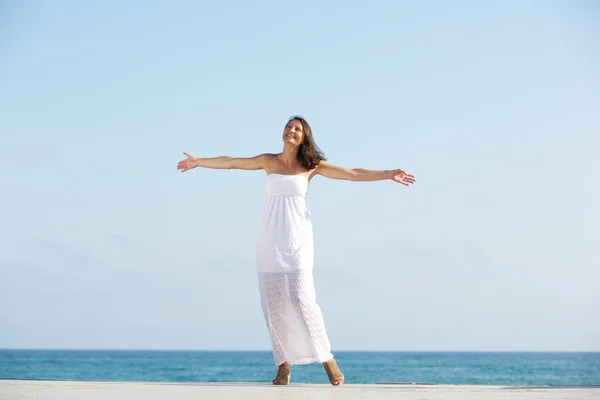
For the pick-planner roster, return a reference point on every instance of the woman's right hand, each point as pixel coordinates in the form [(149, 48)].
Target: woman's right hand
[(188, 163)]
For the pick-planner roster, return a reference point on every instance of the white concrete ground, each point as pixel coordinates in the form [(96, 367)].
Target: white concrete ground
[(77, 390)]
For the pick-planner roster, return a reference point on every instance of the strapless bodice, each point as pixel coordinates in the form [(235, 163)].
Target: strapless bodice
[(290, 185)]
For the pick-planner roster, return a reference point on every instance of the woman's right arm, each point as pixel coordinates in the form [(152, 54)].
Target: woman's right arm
[(224, 162)]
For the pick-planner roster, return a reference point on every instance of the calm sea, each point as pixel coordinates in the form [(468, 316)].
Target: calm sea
[(544, 369)]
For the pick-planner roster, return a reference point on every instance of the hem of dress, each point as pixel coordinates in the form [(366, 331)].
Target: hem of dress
[(305, 360)]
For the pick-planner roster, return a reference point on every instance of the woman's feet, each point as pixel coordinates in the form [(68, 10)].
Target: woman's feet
[(283, 375), (333, 372)]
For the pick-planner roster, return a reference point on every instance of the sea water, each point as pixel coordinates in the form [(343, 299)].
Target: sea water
[(535, 369)]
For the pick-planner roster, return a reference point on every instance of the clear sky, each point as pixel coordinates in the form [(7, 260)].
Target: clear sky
[(494, 106)]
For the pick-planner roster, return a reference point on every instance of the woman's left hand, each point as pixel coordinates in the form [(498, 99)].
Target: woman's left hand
[(403, 177)]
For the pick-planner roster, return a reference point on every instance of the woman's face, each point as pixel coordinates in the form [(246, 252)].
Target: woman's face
[(293, 133)]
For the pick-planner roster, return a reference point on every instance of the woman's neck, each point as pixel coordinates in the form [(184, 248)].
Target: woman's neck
[(289, 155)]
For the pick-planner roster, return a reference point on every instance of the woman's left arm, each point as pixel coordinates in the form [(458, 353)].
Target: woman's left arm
[(363, 175)]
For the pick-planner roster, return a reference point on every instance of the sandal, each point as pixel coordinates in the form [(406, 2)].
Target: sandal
[(333, 372), (283, 375)]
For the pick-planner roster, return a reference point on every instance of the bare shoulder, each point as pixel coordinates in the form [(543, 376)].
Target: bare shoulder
[(321, 168), (269, 161), (267, 157), (324, 167)]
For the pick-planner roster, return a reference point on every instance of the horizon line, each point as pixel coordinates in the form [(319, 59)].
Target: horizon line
[(269, 350)]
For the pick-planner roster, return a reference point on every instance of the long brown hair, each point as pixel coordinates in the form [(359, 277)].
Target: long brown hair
[(309, 153)]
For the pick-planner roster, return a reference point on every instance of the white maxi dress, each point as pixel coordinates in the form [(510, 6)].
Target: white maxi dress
[(285, 257)]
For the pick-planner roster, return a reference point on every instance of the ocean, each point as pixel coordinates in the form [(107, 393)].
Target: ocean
[(489, 368)]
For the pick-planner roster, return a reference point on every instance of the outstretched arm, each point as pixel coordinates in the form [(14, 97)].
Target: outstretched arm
[(224, 162), (363, 175)]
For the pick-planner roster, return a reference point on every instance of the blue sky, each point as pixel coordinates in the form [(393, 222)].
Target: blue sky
[(492, 105)]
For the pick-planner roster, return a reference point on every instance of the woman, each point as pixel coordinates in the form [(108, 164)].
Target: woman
[(284, 245)]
